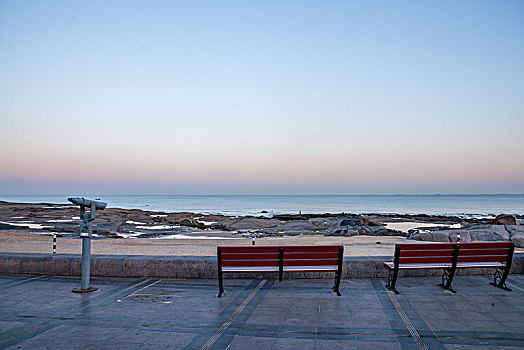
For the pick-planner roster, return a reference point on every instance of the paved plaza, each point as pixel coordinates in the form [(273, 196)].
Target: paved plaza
[(41, 312)]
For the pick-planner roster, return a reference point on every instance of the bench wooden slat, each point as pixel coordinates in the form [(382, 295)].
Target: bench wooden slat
[(421, 253), (249, 249), (246, 256), (307, 248), (426, 260), (247, 269), (481, 258), (484, 245), (463, 265), (484, 252), (310, 268), (250, 262), (310, 255), (425, 246), (310, 262), (439, 266)]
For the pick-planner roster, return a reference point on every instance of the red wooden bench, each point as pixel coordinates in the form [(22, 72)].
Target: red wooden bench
[(247, 259), (450, 257)]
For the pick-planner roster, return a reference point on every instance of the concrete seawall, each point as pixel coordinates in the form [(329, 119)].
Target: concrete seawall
[(195, 266)]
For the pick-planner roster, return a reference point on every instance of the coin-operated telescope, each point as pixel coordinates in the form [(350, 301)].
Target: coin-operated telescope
[(87, 203), (86, 231)]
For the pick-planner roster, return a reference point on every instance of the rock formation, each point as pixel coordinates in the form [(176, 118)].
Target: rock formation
[(486, 232), (118, 223)]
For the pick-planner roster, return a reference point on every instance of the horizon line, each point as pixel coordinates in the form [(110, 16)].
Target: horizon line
[(268, 195)]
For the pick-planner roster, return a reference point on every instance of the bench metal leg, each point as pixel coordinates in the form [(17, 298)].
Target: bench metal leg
[(449, 273), (338, 273), (220, 286), (393, 273), (336, 286), (447, 278), (499, 279), (280, 263), (220, 277), (392, 280)]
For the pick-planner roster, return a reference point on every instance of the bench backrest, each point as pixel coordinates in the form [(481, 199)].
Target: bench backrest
[(267, 256), (253, 256), (485, 252), (320, 255), (434, 253), (424, 253)]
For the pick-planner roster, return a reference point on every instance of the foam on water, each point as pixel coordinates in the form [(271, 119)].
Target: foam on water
[(206, 223), (135, 222), (180, 236), (26, 224), (158, 227), (406, 226)]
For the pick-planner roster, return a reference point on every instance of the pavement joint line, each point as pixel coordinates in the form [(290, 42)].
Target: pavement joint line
[(136, 291), (465, 337), (144, 324), (517, 287), (284, 331), (81, 320), (412, 330), (22, 281), (226, 324), (70, 312), (515, 284)]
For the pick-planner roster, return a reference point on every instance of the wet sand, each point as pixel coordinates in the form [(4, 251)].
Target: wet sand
[(28, 242)]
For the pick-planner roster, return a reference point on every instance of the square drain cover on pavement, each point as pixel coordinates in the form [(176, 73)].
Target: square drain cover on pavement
[(149, 298)]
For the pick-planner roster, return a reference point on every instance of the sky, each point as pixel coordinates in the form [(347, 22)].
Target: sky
[(261, 97)]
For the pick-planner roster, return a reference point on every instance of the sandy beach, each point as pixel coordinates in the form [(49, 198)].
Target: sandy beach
[(28, 242)]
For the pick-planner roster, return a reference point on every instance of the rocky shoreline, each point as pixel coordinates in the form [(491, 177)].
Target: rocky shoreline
[(134, 223)]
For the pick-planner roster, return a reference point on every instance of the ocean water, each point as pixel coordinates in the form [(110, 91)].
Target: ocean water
[(481, 204)]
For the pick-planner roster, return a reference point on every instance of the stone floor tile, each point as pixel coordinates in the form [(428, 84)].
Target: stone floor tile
[(293, 344), (299, 314), (373, 345), (332, 344), (465, 347), (251, 343)]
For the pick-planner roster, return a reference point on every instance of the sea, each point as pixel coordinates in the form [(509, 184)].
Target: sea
[(268, 205)]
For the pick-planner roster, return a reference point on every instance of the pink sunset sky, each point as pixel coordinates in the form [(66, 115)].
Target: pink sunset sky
[(261, 98)]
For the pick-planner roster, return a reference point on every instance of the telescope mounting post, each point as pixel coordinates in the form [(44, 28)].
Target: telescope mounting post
[(86, 232)]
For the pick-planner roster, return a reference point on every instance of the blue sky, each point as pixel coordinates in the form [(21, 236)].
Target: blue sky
[(249, 97)]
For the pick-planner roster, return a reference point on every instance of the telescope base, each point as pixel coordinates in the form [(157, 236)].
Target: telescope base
[(88, 290)]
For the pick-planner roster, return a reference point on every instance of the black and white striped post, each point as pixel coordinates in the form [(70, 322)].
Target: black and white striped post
[(54, 243)]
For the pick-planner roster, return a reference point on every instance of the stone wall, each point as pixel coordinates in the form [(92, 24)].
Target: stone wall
[(195, 266)]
